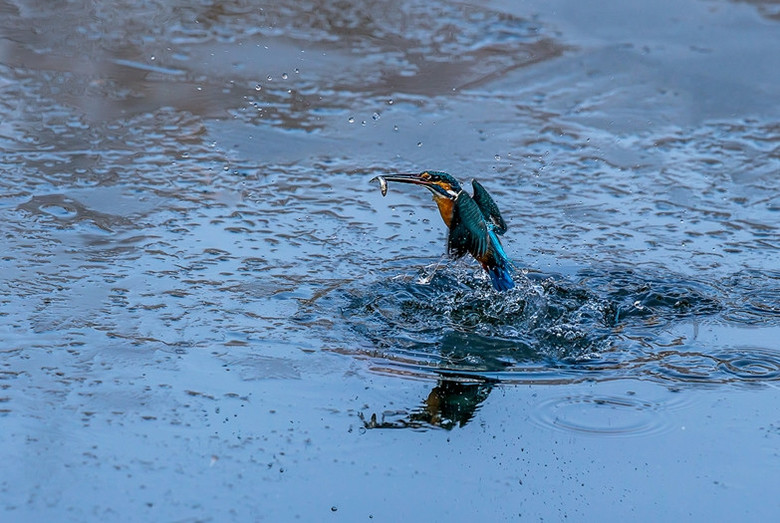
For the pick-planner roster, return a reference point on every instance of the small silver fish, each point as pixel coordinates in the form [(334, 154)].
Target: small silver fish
[(382, 184)]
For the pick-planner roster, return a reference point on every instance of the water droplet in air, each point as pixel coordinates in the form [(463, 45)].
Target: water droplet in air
[(497, 157), (269, 78), (297, 71), (376, 116), (395, 128), (390, 102), (419, 144), (351, 119), (258, 87)]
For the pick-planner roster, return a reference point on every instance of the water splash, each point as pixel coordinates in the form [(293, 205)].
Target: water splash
[(448, 322)]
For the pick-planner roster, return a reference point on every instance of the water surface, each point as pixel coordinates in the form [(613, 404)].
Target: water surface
[(209, 313)]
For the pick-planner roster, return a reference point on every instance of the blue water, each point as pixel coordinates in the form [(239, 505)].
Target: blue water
[(207, 312)]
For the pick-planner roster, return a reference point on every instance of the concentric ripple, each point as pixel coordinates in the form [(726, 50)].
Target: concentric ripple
[(616, 416), (753, 364)]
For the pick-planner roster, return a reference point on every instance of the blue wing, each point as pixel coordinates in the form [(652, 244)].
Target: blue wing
[(468, 230), (488, 207)]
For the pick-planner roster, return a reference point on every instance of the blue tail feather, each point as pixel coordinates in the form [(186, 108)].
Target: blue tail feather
[(501, 273), (501, 278)]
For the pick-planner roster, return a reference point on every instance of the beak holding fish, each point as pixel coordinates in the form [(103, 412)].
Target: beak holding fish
[(426, 179)]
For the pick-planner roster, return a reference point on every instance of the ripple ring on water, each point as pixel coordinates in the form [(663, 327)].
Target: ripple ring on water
[(611, 416), (751, 365)]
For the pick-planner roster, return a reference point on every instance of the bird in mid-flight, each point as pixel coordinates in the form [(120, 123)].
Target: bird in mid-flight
[(474, 221)]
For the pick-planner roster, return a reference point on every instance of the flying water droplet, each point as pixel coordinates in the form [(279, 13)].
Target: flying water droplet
[(351, 119), (284, 76), (376, 116)]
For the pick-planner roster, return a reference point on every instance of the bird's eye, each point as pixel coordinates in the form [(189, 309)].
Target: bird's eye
[(425, 176)]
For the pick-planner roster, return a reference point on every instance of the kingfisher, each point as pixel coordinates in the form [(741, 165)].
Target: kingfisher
[(474, 222)]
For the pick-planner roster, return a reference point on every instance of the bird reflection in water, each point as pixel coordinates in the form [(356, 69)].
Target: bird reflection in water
[(451, 403), (469, 359)]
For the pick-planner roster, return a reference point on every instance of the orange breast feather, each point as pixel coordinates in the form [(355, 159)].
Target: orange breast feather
[(445, 208)]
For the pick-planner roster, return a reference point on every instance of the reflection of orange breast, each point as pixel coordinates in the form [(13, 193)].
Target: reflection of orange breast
[(445, 208)]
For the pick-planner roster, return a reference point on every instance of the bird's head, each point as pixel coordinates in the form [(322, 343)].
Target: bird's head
[(441, 184)]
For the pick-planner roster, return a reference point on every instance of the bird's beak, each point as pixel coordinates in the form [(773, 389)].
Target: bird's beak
[(404, 178)]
